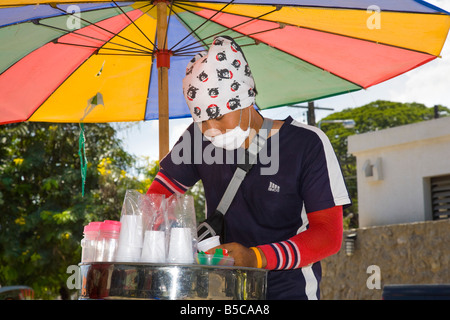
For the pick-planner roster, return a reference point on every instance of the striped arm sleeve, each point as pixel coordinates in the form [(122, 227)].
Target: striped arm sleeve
[(322, 239), (163, 184), (281, 255)]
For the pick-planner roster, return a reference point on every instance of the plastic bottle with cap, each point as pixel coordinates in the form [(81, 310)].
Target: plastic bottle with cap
[(109, 231), (89, 242)]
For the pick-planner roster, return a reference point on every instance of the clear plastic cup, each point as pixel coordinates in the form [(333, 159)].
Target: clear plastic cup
[(108, 240), (89, 242)]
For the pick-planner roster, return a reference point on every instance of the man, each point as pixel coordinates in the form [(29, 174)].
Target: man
[(286, 219)]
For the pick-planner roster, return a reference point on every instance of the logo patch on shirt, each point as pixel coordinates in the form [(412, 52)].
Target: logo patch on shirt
[(273, 187)]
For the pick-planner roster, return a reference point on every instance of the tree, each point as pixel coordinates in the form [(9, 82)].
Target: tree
[(42, 209), (374, 116)]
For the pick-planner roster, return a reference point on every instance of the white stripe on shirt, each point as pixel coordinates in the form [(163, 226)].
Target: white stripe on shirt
[(337, 184), (311, 282)]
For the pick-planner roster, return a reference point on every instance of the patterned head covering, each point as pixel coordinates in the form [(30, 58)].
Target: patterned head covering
[(218, 81)]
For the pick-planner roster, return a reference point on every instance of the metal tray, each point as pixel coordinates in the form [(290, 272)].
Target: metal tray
[(106, 280)]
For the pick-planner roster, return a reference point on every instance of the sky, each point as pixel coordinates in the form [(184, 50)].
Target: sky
[(428, 84)]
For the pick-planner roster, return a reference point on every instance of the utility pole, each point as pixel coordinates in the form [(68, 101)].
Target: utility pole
[(436, 111), (311, 115)]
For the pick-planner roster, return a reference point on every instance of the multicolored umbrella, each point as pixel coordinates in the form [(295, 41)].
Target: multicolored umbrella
[(98, 61)]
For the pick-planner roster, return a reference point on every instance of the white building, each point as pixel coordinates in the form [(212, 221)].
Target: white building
[(403, 173)]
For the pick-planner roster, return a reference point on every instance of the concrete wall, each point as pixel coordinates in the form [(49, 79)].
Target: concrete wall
[(412, 253), (394, 167)]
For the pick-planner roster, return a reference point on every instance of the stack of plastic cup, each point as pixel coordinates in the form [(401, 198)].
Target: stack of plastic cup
[(131, 238), (154, 216), (89, 242), (108, 240), (183, 231), (154, 247), (180, 246)]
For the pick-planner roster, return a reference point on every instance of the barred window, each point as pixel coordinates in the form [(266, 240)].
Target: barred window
[(440, 197)]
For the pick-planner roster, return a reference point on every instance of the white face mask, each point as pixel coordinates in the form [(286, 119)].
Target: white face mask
[(232, 139)]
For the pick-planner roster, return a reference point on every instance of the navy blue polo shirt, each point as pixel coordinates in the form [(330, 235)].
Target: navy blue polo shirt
[(297, 172)]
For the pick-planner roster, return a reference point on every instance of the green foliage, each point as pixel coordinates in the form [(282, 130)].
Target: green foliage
[(371, 117), (198, 193)]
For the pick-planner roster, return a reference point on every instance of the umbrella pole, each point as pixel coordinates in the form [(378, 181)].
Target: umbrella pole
[(163, 79)]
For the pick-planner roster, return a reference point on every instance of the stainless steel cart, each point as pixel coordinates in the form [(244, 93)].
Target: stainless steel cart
[(106, 280)]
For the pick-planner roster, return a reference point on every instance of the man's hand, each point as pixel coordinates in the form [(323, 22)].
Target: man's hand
[(243, 256)]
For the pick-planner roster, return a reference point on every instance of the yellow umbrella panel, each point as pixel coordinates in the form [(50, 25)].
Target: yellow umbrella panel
[(106, 87)]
